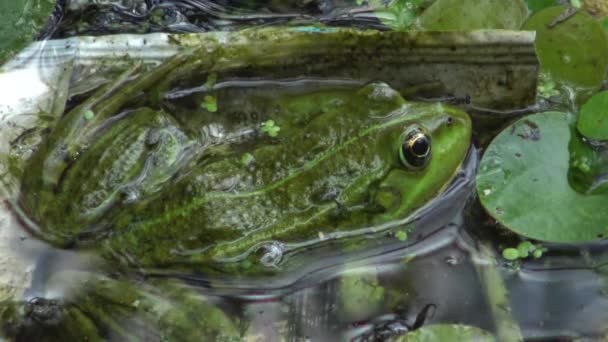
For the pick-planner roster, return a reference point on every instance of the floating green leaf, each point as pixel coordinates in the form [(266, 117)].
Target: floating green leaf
[(247, 159), (473, 14), (571, 47), (523, 183), (523, 251), (401, 235), (20, 22), (271, 128), (398, 14), (510, 253), (593, 117), (446, 332), (211, 80), (588, 172), (546, 86), (89, 115), (209, 104)]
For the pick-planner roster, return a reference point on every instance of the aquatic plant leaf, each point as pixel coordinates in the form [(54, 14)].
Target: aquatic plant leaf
[(399, 15), (20, 22), (588, 172), (573, 49), (593, 117), (446, 332), (522, 182), (474, 14)]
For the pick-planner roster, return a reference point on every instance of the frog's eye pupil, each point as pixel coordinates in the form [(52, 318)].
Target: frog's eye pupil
[(421, 146), (415, 150)]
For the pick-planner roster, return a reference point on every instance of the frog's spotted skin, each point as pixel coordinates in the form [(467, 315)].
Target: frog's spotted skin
[(333, 166)]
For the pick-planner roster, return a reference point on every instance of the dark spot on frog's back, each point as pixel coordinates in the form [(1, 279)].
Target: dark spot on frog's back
[(530, 131)]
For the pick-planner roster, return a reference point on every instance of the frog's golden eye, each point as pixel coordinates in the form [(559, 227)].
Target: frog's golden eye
[(415, 151)]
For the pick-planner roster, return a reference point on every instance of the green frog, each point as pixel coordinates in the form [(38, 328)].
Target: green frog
[(269, 169), (179, 184)]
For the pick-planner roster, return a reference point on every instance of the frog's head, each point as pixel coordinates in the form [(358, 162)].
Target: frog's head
[(425, 144)]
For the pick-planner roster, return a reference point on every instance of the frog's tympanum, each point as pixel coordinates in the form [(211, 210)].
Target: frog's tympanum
[(188, 185)]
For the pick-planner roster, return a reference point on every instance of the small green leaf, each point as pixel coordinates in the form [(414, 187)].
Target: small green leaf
[(546, 86), (401, 235), (209, 104), (510, 253), (522, 251), (593, 117), (247, 159), (274, 131), (270, 128), (526, 245), (211, 80), (89, 115), (397, 14), (537, 253), (576, 3)]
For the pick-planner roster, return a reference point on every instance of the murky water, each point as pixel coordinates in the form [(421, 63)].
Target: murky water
[(440, 274)]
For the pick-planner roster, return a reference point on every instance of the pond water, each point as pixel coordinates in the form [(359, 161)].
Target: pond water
[(446, 269)]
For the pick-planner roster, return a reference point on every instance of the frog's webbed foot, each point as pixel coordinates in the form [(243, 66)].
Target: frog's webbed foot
[(99, 308)]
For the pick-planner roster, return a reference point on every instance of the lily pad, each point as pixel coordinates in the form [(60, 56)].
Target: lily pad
[(593, 117), (473, 14), (573, 49), (446, 332), (523, 183), (20, 22)]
